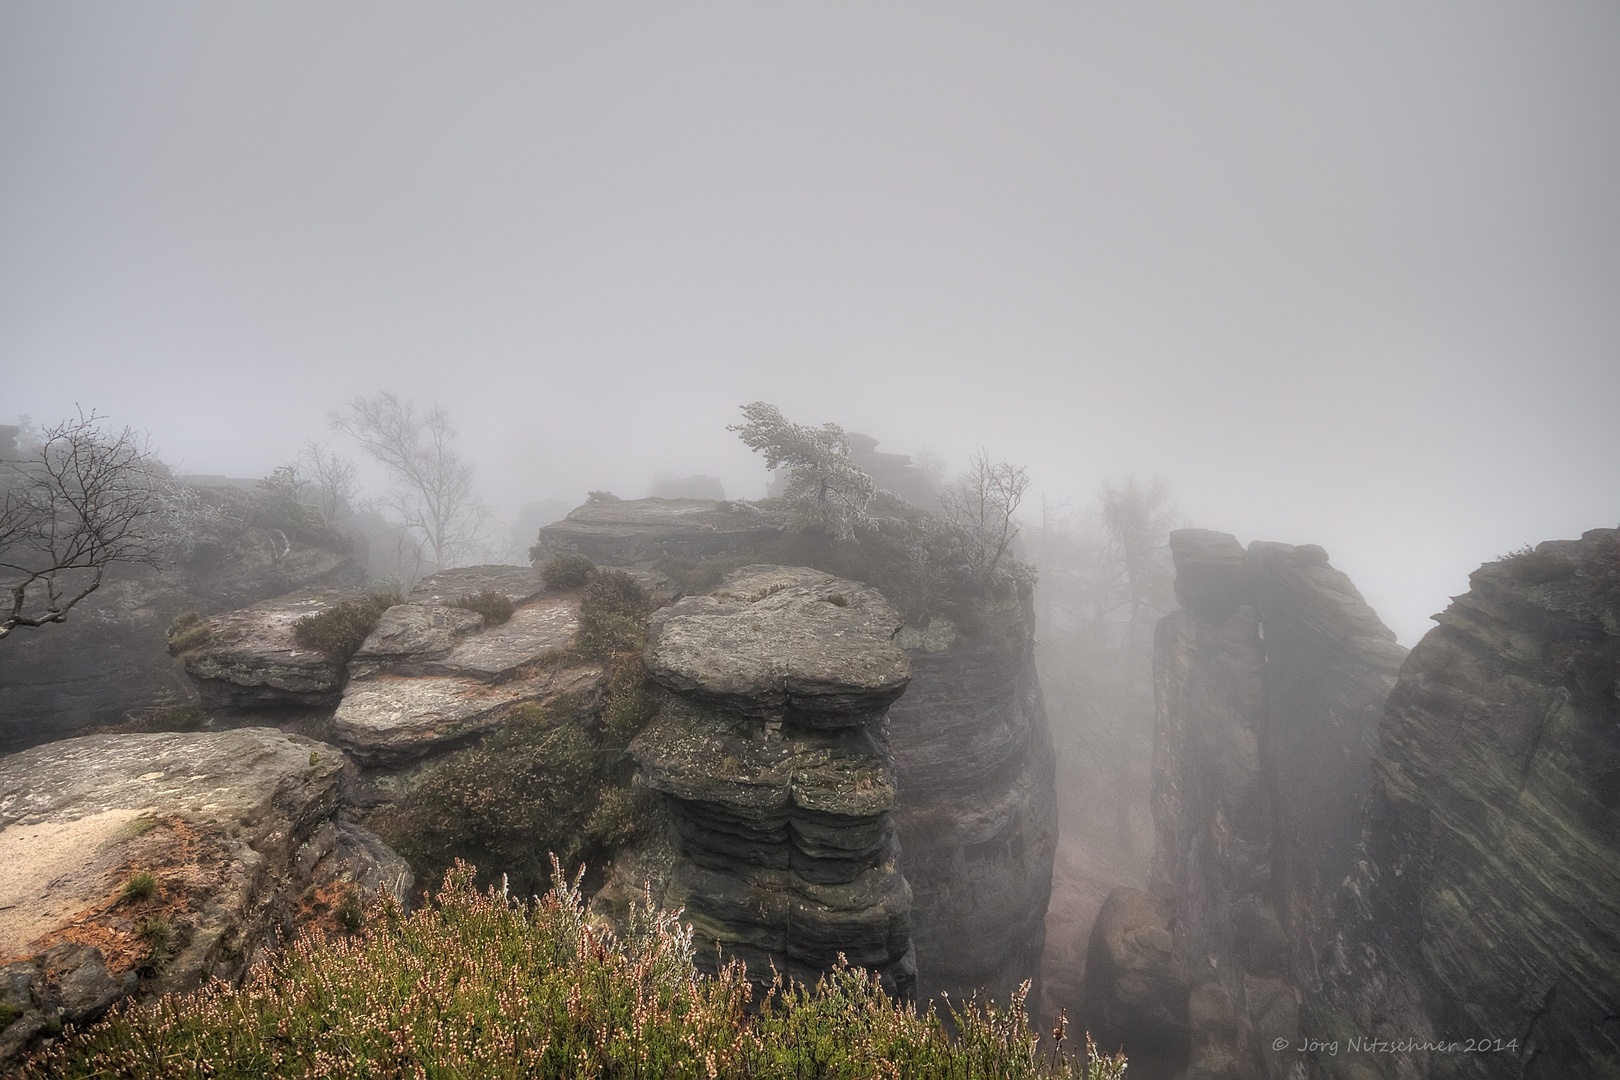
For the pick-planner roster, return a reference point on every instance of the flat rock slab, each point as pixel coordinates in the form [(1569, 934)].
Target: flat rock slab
[(783, 641), (251, 657), (624, 531), (393, 718), (414, 633), (518, 584), (533, 631)]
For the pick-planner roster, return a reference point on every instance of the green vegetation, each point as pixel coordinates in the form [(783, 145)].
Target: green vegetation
[(9, 1014), (351, 915), (493, 606), (188, 631), (477, 986), (613, 616), (1537, 568), (158, 933), (565, 571), (139, 887), (825, 489), (340, 631)]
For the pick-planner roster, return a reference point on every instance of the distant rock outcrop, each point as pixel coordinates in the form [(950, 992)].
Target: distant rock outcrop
[(108, 660), (235, 829), (770, 750), (1483, 905), (1269, 684)]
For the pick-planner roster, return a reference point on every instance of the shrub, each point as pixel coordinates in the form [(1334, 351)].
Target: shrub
[(1537, 568), (339, 631), (493, 606), (139, 887), (158, 933), (613, 616), (478, 986), (188, 631), (350, 914), (9, 1014), (567, 572)]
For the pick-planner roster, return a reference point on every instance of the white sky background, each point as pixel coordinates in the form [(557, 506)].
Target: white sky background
[(1343, 274)]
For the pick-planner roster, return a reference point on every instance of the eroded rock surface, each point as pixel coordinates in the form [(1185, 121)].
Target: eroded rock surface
[(1483, 904), (221, 821), (770, 750), (1138, 988), (617, 532), (1269, 684), (250, 658)]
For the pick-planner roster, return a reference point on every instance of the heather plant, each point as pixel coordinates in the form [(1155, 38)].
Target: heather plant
[(479, 986), (495, 607), (565, 571), (612, 616), (339, 631)]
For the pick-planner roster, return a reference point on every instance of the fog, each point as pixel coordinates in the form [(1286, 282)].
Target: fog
[(1340, 276)]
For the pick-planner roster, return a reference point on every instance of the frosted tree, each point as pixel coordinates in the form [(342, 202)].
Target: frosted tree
[(825, 489)]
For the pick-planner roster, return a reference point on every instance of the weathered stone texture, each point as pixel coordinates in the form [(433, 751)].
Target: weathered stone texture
[(221, 819), (1268, 685), (1484, 902), (770, 750), (252, 660)]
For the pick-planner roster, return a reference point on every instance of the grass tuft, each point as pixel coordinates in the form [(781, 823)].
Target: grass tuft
[(493, 606), (140, 887)]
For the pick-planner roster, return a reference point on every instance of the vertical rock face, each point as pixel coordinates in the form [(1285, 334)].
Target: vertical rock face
[(1269, 684), (978, 808), (1484, 905), (770, 749)]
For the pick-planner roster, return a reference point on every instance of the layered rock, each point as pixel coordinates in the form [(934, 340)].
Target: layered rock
[(250, 659), (1483, 904), (234, 826), (109, 659), (1268, 685), (432, 675), (977, 810), (769, 749), (623, 532)]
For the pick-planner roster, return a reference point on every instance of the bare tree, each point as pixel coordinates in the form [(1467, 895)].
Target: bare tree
[(979, 509), (1138, 518), (433, 491), (334, 480), (84, 499)]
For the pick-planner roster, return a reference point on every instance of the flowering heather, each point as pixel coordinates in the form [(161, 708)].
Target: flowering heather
[(479, 986)]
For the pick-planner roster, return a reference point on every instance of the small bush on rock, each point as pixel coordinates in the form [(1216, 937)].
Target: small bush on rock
[(139, 887), (493, 606), (341, 630), (613, 616), (567, 572), (188, 631), (478, 986)]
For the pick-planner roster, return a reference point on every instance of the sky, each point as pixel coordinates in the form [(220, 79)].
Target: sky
[(1339, 274)]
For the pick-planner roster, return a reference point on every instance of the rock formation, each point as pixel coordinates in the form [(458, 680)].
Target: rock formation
[(770, 750), (977, 809), (248, 658), (1269, 684), (976, 806), (235, 828), (1484, 902), (108, 660)]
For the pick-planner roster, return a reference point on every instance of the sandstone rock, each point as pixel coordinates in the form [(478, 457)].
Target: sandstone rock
[(251, 659), (430, 639), (1136, 991), (414, 633), (1482, 904), (782, 801), (518, 584), (109, 658), (788, 642), (1268, 688), (977, 806), (394, 718), (625, 532), (218, 818)]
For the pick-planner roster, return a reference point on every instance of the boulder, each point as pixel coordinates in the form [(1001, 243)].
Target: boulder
[(769, 749), (1482, 903), (794, 643), (250, 659), (1136, 990), (219, 819), (519, 584)]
